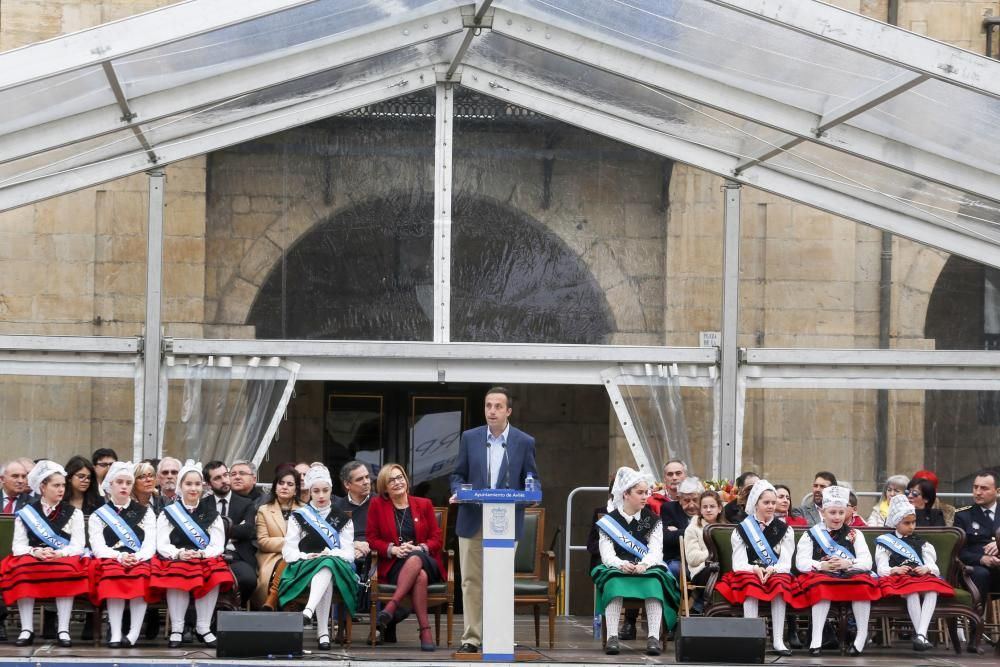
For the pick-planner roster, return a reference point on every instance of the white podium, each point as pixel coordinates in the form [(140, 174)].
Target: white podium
[(498, 566)]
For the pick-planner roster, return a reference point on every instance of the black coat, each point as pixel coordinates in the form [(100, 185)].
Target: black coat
[(243, 515), (978, 532), (674, 515)]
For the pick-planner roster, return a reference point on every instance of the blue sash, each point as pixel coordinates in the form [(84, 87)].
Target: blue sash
[(826, 543), (120, 528), (759, 543), (894, 544), (625, 540), (315, 521), (41, 528), (185, 523)]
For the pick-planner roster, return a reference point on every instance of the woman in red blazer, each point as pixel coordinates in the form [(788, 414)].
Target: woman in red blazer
[(404, 532)]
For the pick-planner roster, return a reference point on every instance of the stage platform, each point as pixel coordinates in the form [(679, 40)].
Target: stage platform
[(574, 646)]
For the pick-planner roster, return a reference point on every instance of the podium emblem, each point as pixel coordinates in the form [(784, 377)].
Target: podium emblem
[(499, 520)]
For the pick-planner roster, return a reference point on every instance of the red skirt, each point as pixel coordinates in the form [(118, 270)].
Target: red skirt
[(109, 579), (27, 577), (198, 576), (738, 586), (905, 584), (817, 586)]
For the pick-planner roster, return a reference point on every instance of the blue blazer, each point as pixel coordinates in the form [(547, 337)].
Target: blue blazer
[(472, 469)]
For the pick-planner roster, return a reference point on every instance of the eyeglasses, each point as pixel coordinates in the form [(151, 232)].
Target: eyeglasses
[(169, 473), (148, 475), (103, 464), (913, 493), (397, 479)]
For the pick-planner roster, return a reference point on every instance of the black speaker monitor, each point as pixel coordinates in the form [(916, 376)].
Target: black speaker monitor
[(259, 634), (719, 639)]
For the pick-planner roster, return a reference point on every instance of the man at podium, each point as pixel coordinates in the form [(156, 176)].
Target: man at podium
[(495, 456)]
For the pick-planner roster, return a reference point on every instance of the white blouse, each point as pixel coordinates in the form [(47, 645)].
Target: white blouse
[(77, 539), (101, 549), (164, 528), (653, 557), (290, 552), (784, 551), (805, 563), (927, 553)]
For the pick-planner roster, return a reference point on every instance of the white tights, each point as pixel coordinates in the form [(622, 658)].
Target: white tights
[(26, 610), (320, 600), (116, 612), (920, 614), (654, 613), (750, 607), (861, 609), (177, 605)]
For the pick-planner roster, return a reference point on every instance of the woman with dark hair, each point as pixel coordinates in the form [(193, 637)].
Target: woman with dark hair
[(272, 525), (404, 532), (922, 495), (81, 486)]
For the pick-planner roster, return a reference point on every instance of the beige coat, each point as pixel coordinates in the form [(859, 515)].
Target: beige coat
[(271, 527), (695, 551)]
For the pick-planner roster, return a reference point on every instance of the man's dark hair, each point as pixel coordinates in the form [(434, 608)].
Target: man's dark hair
[(743, 477), (206, 471), (828, 476), (502, 390), (348, 469), (987, 472), (102, 453)]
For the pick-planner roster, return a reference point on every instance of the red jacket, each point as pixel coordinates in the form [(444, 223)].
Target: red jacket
[(381, 530)]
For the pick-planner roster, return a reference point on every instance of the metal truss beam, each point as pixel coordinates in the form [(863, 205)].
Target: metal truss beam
[(731, 449), (338, 51), (613, 122), (444, 125), (474, 21), (292, 114), (70, 344), (127, 114), (877, 39), (621, 58)]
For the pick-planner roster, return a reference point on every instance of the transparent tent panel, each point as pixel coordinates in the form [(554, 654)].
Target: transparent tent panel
[(54, 97), (666, 113), (68, 158), (724, 45), (264, 38)]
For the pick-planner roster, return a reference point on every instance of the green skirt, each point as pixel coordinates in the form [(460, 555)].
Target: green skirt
[(656, 582), (297, 576)]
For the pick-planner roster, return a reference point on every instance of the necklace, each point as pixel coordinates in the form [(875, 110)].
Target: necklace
[(400, 516)]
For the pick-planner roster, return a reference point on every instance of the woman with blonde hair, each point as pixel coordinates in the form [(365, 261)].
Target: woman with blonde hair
[(895, 485), (404, 532)]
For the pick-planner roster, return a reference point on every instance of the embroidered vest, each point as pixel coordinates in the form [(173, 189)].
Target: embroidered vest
[(840, 537), (312, 542), (64, 511), (640, 529), (204, 515), (895, 560), (132, 515), (772, 533)]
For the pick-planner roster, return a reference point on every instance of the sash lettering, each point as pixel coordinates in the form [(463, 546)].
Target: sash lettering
[(759, 543), (183, 521), (898, 546), (316, 522), (41, 528), (120, 528), (625, 540), (826, 543)]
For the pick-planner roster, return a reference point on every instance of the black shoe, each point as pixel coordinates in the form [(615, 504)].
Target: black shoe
[(188, 636), (468, 648), (324, 645), (23, 640), (378, 638), (628, 631), (175, 643), (127, 644), (114, 644), (612, 647), (920, 643), (853, 651), (3, 632), (389, 636), (652, 646), (208, 639), (815, 651), (784, 652), (63, 639), (794, 642), (383, 620)]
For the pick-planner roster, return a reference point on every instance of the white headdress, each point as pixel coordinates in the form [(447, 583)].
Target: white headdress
[(625, 479), (190, 466), (317, 473), (117, 469), (759, 487), (41, 472), (690, 485), (836, 496), (899, 509)]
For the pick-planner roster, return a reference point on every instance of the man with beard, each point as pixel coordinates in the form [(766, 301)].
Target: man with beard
[(242, 514), (810, 510)]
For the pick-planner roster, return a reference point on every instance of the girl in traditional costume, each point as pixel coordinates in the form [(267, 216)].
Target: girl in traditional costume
[(631, 545), (190, 539), (836, 567), (763, 546), (319, 552), (49, 538), (123, 539), (907, 566)]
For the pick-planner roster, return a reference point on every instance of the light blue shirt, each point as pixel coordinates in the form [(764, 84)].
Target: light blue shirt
[(495, 453)]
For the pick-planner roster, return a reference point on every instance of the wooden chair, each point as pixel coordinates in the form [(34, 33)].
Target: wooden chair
[(535, 572), (439, 595), (688, 588)]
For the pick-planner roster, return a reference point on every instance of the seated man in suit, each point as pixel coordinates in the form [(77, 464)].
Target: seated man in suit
[(980, 523), (14, 482), (811, 507), (243, 516), (676, 515)]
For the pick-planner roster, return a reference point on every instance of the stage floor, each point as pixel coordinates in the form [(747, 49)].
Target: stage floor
[(574, 645)]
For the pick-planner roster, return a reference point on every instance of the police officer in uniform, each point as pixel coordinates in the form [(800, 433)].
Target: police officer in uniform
[(980, 523)]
